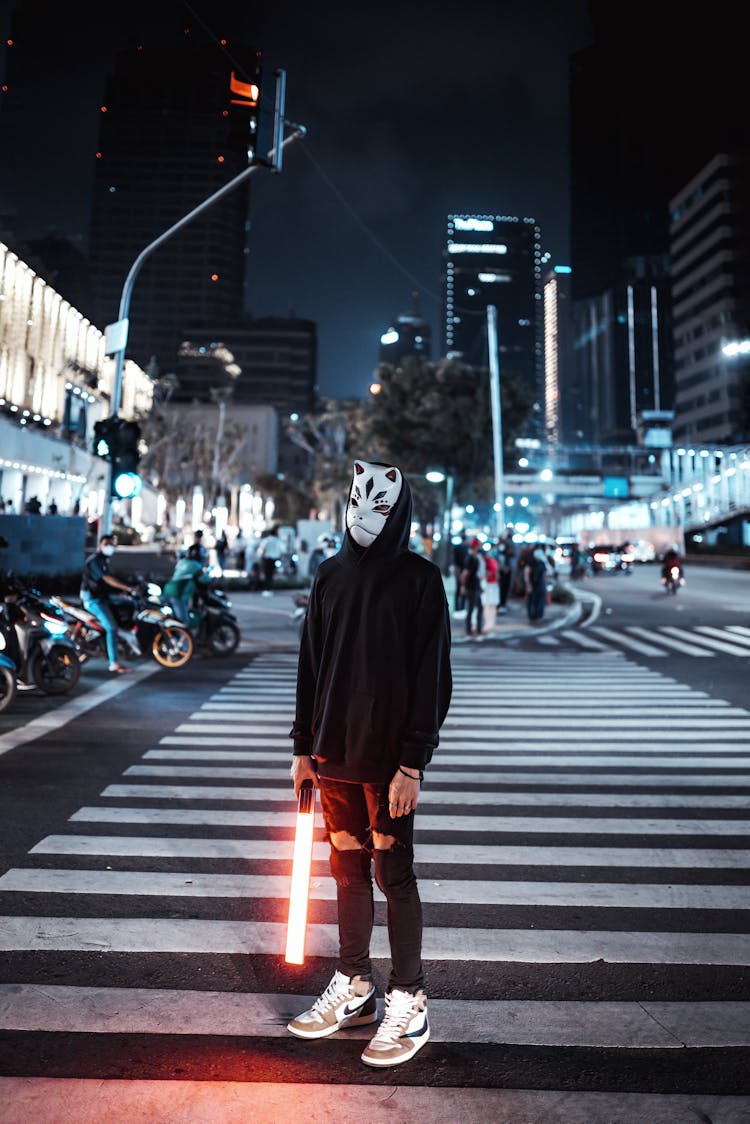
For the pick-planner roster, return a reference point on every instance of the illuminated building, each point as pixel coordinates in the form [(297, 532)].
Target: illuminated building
[(561, 402), (710, 255), (494, 260), (55, 382)]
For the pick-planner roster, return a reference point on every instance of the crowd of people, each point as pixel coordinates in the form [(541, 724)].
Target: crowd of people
[(489, 574)]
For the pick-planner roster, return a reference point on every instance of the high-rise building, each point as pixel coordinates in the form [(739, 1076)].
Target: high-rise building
[(409, 336), (168, 140), (710, 254), (561, 401), (495, 260), (652, 100)]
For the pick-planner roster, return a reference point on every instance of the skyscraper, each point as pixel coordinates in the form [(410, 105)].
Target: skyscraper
[(495, 260), (166, 143)]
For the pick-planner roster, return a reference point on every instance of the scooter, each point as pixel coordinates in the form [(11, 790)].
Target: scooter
[(145, 627), (212, 623), (7, 670), (38, 643)]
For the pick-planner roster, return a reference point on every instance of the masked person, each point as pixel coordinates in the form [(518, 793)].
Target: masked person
[(373, 689), (97, 585)]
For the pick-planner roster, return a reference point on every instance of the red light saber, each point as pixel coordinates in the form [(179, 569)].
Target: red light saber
[(299, 891)]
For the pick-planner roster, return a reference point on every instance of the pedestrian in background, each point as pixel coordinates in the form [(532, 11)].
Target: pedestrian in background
[(506, 559), (460, 552), (491, 589), (471, 587), (535, 580), (221, 546), (269, 553)]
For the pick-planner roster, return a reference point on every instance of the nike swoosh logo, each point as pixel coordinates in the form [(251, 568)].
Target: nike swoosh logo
[(414, 1033), (353, 1010)]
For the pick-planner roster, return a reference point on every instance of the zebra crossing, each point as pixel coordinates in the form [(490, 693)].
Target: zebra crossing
[(701, 642), (590, 819)]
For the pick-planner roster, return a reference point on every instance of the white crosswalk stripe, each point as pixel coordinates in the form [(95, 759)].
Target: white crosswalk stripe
[(701, 642), (597, 838)]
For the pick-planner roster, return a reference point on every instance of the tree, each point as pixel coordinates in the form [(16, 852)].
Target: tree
[(333, 438), (439, 415)]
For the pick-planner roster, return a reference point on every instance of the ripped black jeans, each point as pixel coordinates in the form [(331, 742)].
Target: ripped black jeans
[(358, 810)]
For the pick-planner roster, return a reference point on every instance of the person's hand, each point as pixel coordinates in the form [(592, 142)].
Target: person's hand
[(303, 768), (403, 794)]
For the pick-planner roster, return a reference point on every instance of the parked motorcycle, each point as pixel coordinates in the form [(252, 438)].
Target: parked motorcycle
[(212, 623), (145, 627), (37, 643), (672, 578), (7, 669)]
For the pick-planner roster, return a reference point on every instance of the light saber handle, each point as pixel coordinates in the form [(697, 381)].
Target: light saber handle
[(300, 887)]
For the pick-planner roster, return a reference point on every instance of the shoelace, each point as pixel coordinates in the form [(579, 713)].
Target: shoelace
[(335, 990), (398, 1012)]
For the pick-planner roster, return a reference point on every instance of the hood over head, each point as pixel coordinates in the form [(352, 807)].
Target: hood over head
[(379, 511)]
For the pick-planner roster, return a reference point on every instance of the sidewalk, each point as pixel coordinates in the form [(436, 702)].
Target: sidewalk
[(515, 624)]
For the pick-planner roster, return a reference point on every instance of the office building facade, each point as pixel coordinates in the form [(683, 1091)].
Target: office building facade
[(495, 260), (710, 255)]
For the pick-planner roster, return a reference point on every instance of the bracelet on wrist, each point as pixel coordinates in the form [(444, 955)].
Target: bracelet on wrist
[(410, 776)]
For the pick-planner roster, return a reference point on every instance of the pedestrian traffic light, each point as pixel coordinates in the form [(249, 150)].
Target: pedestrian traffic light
[(126, 454), (103, 437)]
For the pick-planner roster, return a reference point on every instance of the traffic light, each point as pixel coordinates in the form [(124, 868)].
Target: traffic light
[(103, 437), (256, 107), (125, 455)]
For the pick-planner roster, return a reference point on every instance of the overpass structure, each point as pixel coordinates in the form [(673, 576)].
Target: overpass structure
[(681, 490)]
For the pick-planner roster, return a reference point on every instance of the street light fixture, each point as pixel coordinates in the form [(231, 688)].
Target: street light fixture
[(439, 476)]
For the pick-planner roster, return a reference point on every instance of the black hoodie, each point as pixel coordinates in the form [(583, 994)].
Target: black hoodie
[(374, 678)]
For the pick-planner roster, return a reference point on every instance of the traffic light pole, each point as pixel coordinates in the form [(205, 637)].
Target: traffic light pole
[(120, 333)]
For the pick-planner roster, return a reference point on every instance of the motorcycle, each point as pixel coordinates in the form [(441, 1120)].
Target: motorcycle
[(672, 578), (145, 627), (299, 612), (212, 623), (37, 643), (7, 670)]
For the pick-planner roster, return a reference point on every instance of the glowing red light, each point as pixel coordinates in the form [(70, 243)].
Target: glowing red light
[(225, 113), (4, 89), (9, 42), (220, 159), (223, 42), (214, 277), (98, 155), (104, 109)]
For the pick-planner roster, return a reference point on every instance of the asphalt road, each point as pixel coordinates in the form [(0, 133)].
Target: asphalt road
[(582, 850)]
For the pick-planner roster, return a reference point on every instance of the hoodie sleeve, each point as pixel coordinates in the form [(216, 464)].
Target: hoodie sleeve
[(307, 676), (431, 680)]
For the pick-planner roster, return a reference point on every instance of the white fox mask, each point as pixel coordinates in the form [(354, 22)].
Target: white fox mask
[(375, 489)]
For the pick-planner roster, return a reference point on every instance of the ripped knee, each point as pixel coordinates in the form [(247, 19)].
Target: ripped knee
[(394, 868), (350, 865), (344, 841)]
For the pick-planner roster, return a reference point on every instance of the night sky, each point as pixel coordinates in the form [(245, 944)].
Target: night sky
[(414, 111)]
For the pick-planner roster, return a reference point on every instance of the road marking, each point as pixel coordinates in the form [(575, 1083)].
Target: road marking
[(583, 640), (479, 854), (55, 719), (604, 895), (102, 1010), (523, 753), (284, 795), (705, 641), (722, 632), (629, 642), (552, 825), (556, 946)]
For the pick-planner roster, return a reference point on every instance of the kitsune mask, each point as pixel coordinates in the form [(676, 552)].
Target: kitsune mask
[(375, 489)]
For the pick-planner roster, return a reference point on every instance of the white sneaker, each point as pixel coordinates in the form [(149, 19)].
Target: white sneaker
[(347, 1001), (403, 1031)]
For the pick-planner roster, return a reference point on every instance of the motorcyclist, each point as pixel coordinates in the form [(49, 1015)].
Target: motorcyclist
[(97, 586), (671, 558), (189, 573)]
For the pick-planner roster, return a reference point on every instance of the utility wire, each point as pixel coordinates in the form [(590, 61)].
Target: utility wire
[(363, 226)]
